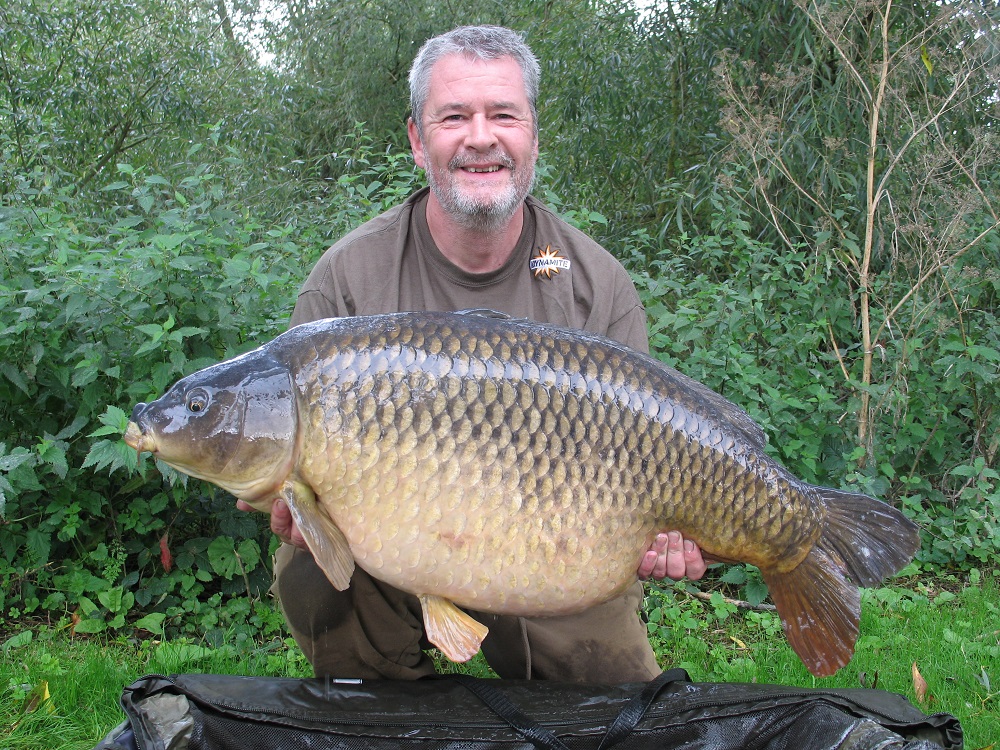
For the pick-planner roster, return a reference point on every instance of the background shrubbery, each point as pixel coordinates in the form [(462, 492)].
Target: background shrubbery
[(162, 196)]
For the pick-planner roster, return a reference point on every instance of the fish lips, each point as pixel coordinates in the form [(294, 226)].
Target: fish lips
[(135, 437)]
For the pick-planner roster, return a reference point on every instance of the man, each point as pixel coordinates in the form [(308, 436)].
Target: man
[(473, 239)]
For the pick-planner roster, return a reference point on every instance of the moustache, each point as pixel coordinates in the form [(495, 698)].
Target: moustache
[(498, 157)]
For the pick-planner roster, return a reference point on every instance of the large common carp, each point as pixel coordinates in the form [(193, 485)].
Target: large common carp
[(517, 468)]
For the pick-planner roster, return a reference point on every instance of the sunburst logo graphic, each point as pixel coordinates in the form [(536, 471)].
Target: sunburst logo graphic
[(548, 262)]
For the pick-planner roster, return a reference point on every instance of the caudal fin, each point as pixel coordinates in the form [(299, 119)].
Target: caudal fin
[(863, 540), (870, 539)]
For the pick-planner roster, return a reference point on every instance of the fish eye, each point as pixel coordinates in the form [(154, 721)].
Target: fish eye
[(197, 401)]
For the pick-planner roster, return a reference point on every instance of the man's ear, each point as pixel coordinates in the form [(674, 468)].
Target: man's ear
[(415, 144)]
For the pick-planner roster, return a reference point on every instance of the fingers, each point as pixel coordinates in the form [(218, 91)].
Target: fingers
[(672, 556), (282, 523), (694, 563), (654, 562), (675, 565)]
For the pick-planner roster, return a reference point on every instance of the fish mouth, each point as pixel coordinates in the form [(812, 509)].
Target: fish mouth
[(135, 438)]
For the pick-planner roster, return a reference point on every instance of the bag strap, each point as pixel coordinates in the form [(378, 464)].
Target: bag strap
[(621, 727), (632, 712), (503, 707)]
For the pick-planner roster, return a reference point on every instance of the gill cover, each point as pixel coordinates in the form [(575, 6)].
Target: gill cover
[(232, 424)]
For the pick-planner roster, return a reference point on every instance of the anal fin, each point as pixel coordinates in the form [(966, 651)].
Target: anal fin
[(326, 541), (450, 629)]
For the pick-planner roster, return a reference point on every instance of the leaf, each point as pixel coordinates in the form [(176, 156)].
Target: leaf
[(222, 556), (114, 418), (10, 461), (756, 592), (110, 454), (90, 625), (175, 656), (36, 698), (249, 553), (54, 455), (983, 678), (112, 599), (169, 241), (153, 622), (920, 686), (16, 641), (735, 575), (15, 377), (151, 329)]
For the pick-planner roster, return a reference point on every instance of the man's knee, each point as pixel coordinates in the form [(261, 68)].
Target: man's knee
[(369, 631)]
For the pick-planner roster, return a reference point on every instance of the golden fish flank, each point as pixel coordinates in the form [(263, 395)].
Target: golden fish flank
[(507, 466)]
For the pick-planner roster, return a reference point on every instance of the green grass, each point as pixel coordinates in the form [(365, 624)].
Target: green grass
[(85, 678), (951, 633)]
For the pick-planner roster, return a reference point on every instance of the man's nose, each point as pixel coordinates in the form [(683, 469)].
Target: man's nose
[(480, 136)]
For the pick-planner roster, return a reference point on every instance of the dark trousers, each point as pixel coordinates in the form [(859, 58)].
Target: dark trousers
[(373, 630)]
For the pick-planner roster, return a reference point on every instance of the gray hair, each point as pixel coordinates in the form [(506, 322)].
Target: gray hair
[(477, 42)]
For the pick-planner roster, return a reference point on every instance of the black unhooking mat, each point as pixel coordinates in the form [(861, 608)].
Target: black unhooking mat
[(216, 712)]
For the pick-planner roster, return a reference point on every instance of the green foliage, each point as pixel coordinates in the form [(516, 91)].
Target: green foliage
[(750, 323), (103, 309), (86, 84), (759, 326)]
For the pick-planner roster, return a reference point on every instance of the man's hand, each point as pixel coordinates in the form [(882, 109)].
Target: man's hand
[(282, 523), (672, 556)]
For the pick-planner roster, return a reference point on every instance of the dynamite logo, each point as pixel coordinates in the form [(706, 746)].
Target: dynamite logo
[(548, 262)]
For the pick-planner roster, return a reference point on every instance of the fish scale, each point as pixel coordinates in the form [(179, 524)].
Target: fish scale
[(517, 468)]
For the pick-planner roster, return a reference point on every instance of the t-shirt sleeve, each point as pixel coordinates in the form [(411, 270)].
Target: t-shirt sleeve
[(320, 296), (630, 329)]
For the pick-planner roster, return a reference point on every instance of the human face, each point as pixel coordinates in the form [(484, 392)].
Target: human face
[(477, 143)]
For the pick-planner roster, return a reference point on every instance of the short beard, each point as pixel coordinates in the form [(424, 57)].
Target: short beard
[(477, 215)]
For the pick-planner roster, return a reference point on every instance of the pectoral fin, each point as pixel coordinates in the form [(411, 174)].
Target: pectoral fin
[(450, 629), (326, 542)]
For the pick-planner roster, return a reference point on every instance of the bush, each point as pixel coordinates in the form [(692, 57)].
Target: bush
[(107, 300), (757, 325)]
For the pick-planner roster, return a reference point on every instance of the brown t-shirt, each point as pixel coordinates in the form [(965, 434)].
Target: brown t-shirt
[(556, 274)]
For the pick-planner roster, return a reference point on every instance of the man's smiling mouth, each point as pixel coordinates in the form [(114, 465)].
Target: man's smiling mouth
[(477, 170)]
